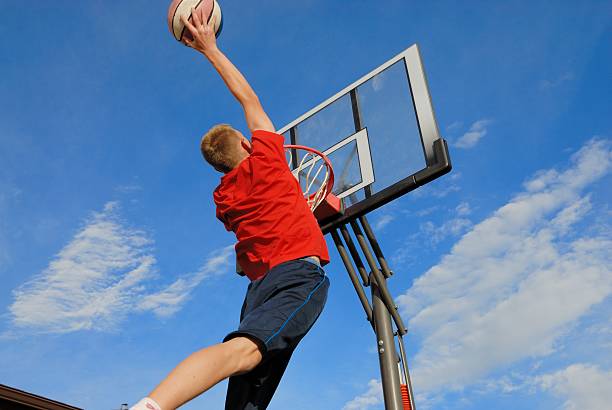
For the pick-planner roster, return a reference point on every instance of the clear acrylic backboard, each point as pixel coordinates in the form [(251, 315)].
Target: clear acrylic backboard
[(380, 135)]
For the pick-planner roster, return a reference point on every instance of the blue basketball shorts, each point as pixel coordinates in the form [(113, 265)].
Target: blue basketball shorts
[(277, 312)]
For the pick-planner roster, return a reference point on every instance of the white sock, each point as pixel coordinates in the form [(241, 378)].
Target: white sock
[(146, 404)]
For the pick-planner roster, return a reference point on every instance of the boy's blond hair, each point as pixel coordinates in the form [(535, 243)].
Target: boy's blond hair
[(219, 147)]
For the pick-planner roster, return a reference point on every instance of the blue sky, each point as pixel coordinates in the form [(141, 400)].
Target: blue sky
[(114, 267)]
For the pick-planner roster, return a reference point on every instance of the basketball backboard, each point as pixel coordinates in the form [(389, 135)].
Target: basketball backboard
[(380, 135)]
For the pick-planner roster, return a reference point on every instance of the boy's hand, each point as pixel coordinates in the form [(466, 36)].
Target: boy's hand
[(204, 39)]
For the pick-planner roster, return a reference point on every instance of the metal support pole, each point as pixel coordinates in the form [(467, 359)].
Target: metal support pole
[(380, 311), (353, 276), (380, 279), (375, 246), (353, 249), (386, 352)]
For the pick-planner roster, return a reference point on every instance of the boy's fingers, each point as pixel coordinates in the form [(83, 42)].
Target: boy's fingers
[(196, 17), (189, 26), (211, 22)]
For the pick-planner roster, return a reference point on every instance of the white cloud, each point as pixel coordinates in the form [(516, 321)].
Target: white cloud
[(405, 255), (90, 284), (463, 209), (435, 191), (455, 125), (513, 284), (584, 387), (423, 212), (437, 233), (455, 176), (383, 221), (563, 78), (431, 233), (128, 188), (100, 277), (171, 299), (476, 132), (440, 188), (372, 397)]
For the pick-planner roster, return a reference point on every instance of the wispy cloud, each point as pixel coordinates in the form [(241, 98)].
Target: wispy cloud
[(463, 209), (454, 126), (432, 233), (441, 190), (476, 132), (171, 299), (372, 397), (383, 221), (475, 309), (561, 79), (91, 282), (128, 188), (582, 386), (424, 212), (102, 275), (435, 234)]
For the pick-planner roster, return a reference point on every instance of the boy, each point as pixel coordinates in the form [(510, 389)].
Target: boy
[(280, 248)]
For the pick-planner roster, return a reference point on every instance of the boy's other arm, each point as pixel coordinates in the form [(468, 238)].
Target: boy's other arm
[(205, 42)]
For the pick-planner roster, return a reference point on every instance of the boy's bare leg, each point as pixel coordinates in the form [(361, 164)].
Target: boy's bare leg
[(205, 368)]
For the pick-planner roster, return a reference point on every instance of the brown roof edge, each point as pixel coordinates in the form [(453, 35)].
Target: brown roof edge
[(29, 399)]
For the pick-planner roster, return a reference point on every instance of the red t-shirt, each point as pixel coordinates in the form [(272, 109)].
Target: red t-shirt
[(262, 203)]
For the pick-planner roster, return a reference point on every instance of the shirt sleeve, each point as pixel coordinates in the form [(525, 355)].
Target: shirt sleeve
[(269, 146)]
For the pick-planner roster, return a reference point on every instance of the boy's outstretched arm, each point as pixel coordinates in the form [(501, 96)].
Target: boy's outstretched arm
[(205, 42)]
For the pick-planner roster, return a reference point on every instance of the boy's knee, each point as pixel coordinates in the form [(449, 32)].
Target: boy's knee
[(246, 352)]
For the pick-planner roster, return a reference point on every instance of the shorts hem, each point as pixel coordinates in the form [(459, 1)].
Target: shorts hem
[(255, 338)]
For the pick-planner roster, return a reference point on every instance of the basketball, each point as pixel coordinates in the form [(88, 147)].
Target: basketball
[(178, 8)]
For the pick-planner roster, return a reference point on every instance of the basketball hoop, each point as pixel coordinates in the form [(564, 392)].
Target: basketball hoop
[(315, 174)]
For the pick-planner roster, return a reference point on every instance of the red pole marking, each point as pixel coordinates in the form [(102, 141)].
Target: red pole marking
[(406, 397)]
